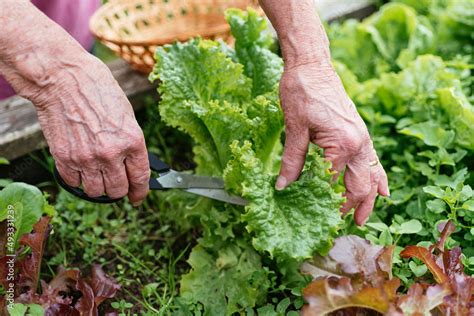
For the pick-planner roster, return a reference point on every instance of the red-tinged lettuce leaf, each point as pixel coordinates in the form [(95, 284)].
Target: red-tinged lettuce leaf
[(95, 290), (103, 286), (353, 257), (355, 275), (419, 301), (448, 271), (329, 294), (30, 266), (85, 304), (447, 229), (425, 255)]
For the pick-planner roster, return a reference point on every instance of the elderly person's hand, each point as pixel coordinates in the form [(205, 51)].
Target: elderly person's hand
[(318, 110), (86, 119)]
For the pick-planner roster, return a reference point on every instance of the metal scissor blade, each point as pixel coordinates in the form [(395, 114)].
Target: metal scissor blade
[(220, 195), (180, 180)]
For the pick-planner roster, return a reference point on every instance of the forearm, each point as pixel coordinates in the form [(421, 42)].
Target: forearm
[(300, 31), (33, 49)]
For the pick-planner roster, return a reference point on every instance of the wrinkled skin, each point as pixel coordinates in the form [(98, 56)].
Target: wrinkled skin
[(86, 118), (317, 109), (93, 134)]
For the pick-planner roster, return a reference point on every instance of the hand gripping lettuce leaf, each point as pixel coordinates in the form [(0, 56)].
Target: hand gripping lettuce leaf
[(295, 222)]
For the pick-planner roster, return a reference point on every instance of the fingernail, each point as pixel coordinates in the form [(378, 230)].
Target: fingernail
[(281, 183), (137, 204)]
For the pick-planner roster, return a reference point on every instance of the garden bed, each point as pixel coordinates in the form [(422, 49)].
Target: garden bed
[(406, 70)]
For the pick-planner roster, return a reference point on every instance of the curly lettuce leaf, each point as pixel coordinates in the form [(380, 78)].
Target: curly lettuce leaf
[(460, 113), (386, 41), (292, 223), (197, 77), (226, 281), (252, 43)]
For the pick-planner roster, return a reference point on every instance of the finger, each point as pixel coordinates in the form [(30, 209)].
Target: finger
[(383, 188), (93, 182), (115, 180), (357, 181), (138, 174), (70, 176), (364, 209), (294, 156)]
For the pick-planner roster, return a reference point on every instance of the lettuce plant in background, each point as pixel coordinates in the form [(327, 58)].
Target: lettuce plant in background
[(421, 118)]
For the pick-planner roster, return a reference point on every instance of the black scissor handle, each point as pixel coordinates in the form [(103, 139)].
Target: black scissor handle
[(155, 164)]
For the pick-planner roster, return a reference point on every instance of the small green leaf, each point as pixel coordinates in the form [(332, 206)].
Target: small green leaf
[(411, 227), (283, 305), (386, 238), (377, 226), (434, 191), (4, 161), (436, 206), (469, 205), (418, 270), (35, 310), (18, 310), (149, 289), (466, 193)]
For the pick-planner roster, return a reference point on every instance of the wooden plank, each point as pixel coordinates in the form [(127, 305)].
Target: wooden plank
[(20, 132)]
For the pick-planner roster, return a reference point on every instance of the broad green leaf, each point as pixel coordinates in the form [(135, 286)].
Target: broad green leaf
[(4, 161), (23, 204)]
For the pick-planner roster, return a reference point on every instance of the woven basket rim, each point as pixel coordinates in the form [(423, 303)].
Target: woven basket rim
[(96, 20)]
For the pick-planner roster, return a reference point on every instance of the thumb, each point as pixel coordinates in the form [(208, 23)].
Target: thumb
[(294, 156)]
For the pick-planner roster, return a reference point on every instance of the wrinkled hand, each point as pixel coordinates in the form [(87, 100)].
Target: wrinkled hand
[(317, 109), (92, 133)]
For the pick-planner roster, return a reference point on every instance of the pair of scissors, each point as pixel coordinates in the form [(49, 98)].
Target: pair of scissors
[(168, 178)]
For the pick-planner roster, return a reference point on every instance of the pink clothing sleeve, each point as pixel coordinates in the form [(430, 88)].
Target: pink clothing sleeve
[(73, 16)]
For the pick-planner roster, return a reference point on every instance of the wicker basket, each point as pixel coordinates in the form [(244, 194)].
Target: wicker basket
[(134, 28)]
